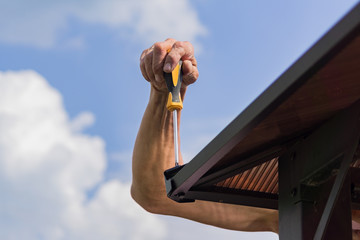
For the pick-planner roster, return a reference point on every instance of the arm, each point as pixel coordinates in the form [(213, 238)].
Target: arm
[(153, 151)]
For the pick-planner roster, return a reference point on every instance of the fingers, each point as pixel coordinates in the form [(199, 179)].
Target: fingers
[(159, 53), (182, 51), (179, 51), (164, 56), (148, 65), (144, 61), (190, 72)]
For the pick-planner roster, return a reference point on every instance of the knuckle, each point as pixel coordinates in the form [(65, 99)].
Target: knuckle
[(187, 43), (158, 46), (185, 49), (145, 54), (142, 55), (179, 44), (170, 39)]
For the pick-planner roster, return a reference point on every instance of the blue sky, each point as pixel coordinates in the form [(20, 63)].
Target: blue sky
[(88, 52)]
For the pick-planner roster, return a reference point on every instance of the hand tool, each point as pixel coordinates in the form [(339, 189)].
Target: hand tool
[(173, 81)]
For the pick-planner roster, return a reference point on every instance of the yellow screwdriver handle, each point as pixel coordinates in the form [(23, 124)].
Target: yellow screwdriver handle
[(173, 82)]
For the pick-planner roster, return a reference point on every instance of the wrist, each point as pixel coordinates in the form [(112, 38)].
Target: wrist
[(158, 100), (158, 95)]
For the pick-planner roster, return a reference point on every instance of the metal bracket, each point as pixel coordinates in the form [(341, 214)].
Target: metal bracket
[(170, 185)]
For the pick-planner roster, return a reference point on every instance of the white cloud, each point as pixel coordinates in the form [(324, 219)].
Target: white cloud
[(82, 121), (120, 165), (47, 168), (40, 24)]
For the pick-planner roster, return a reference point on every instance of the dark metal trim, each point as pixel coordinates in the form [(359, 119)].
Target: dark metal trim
[(316, 57)]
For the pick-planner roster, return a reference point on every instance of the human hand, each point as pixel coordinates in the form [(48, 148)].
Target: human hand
[(156, 60)]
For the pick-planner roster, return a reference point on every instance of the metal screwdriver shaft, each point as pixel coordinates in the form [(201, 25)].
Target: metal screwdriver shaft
[(176, 145), (173, 81)]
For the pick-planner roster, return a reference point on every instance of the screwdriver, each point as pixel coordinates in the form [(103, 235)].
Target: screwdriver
[(173, 82)]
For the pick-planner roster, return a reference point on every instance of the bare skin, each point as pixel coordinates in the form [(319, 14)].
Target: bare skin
[(153, 151)]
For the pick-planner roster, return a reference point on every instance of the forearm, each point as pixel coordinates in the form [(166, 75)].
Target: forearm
[(154, 149), (153, 152)]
